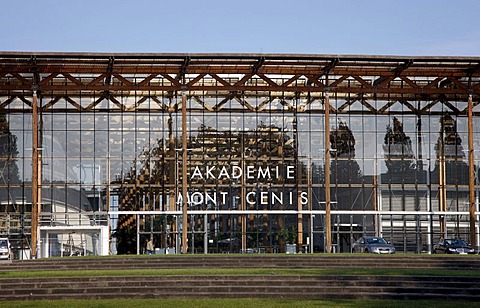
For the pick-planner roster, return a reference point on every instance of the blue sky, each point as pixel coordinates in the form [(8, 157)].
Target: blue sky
[(388, 27)]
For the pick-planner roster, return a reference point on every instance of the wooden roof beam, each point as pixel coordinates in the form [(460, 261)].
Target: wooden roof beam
[(36, 75), (108, 77), (327, 68), (183, 68), (256, 67), (395, 73)]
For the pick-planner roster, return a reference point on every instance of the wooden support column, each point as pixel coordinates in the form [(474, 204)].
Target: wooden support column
[(299, 179), (184, 175), (172, 240), (243, 217), (442, 181), (35, 177), (328, 218), (299, 207), (310, 206), (471, 173), (378, 220)]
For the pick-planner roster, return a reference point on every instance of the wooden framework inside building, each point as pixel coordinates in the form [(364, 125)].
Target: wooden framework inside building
[(418, 84)]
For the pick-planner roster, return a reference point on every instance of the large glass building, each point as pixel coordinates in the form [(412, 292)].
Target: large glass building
[(211, 153)]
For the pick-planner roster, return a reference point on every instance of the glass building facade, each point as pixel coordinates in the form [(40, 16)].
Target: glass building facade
[(109, 152)]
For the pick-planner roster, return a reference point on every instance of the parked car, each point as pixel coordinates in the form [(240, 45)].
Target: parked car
[(456, 246), (5, 252), (373, 245)]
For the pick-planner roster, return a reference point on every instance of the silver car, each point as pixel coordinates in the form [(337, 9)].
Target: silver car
[(373, 245)]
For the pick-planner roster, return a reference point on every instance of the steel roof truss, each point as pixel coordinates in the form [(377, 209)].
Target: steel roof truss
[(243, 80), (145, 81), (72, 79), (291, 80), (449, 105), (387, 106), (368, 106), (263, 104), (338, 81), (221, 81), (410, 83), (138, 103), (203, 104), (409, 106), (7, 101), (348, 103), (47, 79), (363, 82), (172, 80), (123, 80), (314, 79), (116, 102), (22, 79), (25, 100), (244, 103), (96, 102), (219, 106), (97, 80), (195, 80), (162, 105), (74, 103), (429, 106), (268, 80)]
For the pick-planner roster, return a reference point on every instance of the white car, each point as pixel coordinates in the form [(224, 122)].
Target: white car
[(5, 253)]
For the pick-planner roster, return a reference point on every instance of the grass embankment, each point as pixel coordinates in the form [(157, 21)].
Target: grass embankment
[(233, 303), (243, 302), (238, 271)]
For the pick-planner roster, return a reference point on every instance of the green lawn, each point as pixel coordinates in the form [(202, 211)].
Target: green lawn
[(140, 303), (210, 303), (238, 271)]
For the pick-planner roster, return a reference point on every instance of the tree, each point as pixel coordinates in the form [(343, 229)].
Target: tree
[(449, 148), (449, 143), (345, 171), (345, 168), (399, 156), (8, 154)]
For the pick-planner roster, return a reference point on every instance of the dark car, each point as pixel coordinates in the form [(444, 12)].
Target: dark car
[(373, 245), (456, 246)]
